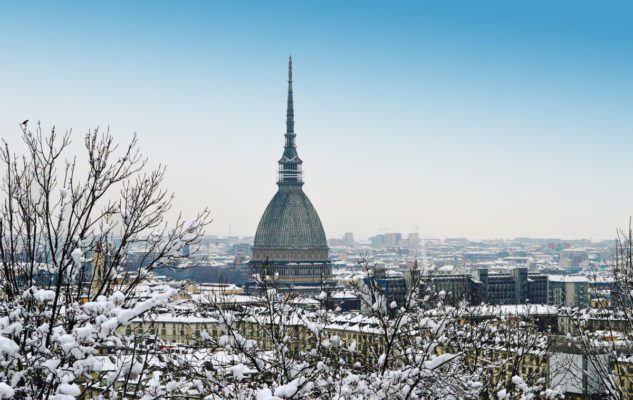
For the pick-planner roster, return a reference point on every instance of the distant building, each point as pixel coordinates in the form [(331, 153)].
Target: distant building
[(335, 242), (474, 257), (98, 273), (392, 239), (574, 257), (456, 288), (343, 301), (571, 291), (240, 248), (377, 241), (413, 241), (516, 287), (574, 372), (510, 288), (456, 241), (349, 239), (538, 289), (392, 284), (186, 250)]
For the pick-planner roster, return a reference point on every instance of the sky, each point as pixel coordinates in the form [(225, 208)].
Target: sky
[(484, 119)]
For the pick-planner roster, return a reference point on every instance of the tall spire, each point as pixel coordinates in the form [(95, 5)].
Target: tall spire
[(290, 172), (290, 112)]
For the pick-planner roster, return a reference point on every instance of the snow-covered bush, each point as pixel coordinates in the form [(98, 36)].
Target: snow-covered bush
[(67, 223)]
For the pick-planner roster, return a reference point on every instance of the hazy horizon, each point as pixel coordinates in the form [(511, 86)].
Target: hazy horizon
[(486, 120)]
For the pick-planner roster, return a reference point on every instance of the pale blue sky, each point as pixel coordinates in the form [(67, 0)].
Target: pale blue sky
[(484, 119)]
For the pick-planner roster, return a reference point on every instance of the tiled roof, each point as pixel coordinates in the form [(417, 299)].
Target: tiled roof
[(290, 222)]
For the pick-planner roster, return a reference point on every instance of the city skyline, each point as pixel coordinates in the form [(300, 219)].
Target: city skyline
[(485, 121)]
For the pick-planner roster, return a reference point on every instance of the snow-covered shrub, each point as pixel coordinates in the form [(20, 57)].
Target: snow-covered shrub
[(66, 227)]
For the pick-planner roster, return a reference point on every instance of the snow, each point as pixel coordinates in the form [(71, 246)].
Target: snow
[(191, 225), (171, 386), (439, 361), (352, 347), (514, 309), (83, 332), (125, 316), (446, 268), (77, 257), (403, 321), (381, 360), (286, 391), (8, 328), (551, 393), (181, 319), (6, 391), (344, 295), (568, 278), (69, 389), (238, 371), (110, 325), (67, 343), (266, 394), (52, 364), (44, 295), (8, 347), (60, 396), (520, 383), (503, 395)]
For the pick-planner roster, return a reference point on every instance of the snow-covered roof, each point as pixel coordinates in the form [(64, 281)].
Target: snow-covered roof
[(216, 297), (304, 300), (345, 294), (187, 319), (568, 278), (513, 310)]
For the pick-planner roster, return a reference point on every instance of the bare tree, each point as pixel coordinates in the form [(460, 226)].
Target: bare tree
[(435, 347), (66, 230), (602, 335)]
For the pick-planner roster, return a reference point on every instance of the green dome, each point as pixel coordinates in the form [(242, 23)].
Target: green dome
[(290, 222)]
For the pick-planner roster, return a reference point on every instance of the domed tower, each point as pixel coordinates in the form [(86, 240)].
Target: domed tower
[(290, 240)]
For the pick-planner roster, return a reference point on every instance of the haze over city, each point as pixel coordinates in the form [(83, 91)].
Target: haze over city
[(487, 119)]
